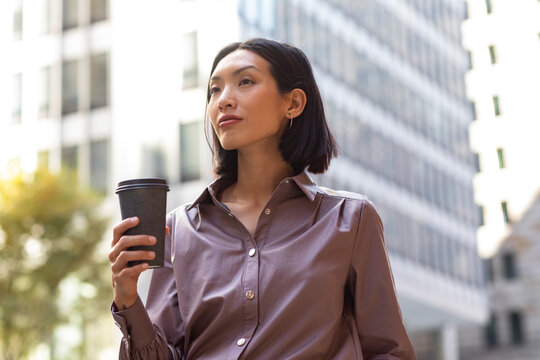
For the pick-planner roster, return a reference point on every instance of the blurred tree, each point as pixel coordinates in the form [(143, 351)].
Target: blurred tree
[(50, 228)]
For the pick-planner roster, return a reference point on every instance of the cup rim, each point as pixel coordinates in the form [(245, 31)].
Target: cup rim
[(142, 183)]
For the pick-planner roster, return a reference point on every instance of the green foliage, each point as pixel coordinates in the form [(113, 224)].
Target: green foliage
[(50, 228)]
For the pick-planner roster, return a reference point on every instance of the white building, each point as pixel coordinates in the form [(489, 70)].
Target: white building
[(116, 90), (503, 39)]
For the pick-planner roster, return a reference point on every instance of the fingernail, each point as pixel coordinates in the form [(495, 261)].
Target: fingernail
[(145, 266), (152, 239), (134, 219), (151, 254)]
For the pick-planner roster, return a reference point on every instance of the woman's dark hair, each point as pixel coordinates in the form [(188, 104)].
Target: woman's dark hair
[(309, 142)]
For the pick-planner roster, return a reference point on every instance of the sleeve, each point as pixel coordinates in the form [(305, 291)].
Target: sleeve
[(377, 315), (155, 332)]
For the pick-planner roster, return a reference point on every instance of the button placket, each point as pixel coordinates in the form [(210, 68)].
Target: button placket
[(250, 303)]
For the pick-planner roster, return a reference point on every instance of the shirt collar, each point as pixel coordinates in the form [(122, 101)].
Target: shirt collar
[(303, 180)]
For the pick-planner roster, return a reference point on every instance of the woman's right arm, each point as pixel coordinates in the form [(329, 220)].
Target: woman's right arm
[(142, 339)]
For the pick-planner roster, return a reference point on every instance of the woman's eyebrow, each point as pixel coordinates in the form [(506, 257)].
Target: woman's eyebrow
[(236, 72)]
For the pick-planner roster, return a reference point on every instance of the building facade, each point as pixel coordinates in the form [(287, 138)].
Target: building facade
[(112, 90), (503, 40), (116, 90), (392, 76)]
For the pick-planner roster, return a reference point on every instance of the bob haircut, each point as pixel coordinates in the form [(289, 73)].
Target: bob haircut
[(309, 142)]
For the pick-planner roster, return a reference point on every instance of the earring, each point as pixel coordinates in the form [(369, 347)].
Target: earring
[(290, 121)]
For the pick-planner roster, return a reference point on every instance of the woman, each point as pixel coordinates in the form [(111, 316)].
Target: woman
[(264, 264)]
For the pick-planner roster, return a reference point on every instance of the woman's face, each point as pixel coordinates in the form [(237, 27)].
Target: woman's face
[(245, 106)]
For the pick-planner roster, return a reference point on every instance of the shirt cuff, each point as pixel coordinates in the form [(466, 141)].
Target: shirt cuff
[(134, 323)]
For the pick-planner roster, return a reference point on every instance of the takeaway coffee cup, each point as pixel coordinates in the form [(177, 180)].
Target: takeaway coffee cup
[(146, 199)]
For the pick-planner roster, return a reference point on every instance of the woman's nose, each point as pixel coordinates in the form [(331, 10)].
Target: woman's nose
[(226, 99)]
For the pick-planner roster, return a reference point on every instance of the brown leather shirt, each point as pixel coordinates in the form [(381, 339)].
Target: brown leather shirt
[(314, 282)]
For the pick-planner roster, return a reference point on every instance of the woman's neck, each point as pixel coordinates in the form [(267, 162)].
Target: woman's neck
[(258, 177)]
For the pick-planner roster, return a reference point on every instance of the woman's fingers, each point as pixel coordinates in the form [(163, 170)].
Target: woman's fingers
[(167, 231), (130, 255), (121, 228), (128, 241)]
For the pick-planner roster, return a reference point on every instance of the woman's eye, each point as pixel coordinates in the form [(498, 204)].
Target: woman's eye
[(214, 90), (246, 82)]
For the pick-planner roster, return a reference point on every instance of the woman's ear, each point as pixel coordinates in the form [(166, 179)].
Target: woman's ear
[(297, 102)]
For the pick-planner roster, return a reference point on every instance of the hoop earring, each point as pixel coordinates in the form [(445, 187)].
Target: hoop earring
[(290, 121)]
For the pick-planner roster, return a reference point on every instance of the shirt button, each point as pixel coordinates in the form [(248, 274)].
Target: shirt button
[(241, 342), (251, 252), (250, 295), (267, 211), (231, 215), (287, 181)]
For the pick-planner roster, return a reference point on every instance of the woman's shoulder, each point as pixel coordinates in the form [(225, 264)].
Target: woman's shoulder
[(355, 203), (343, 194)]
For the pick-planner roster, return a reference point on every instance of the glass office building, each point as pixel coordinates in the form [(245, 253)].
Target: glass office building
[(392, 77)]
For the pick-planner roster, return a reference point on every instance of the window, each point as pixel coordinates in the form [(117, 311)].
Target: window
[(99, 10), (469, 60), (321, 47), (509, 265), (45, 92), (489, 7), (476, 162), (490, 332), (191, 61), (500, 156), (70, 14), (488, 269), (473, 109), (153, 163), (70, 157), (99, 164), (250, 10), (496, 105), (70, 91), (481, 213), (268, 15), (17, 99), (492, 54), (17, 20), (99, 81), (504, 208), (190, 151), (516, 327)]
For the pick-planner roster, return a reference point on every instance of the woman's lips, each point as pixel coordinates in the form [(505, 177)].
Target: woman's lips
[(227, 120)]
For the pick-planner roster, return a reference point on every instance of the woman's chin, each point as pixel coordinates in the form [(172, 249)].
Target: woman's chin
[(229, 145)]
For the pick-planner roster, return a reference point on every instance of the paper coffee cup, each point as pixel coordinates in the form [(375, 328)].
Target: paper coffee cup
[(146, 199)]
